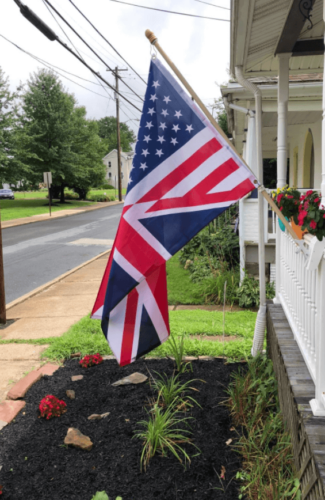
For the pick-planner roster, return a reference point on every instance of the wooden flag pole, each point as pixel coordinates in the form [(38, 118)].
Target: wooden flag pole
[(154, 41)]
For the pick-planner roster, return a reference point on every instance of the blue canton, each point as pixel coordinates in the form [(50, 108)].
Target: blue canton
[(167, 123)]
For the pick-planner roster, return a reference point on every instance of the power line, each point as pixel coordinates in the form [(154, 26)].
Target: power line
[(75, 48), (170, 11), (91, 24), (49, 65), (81, 38), (51, 35), (213, 5)]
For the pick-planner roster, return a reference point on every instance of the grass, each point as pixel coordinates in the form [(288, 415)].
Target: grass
[(86, 336), (17, 209), (181, 290), (268, 469)]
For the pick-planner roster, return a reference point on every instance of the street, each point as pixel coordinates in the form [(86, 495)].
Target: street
[(35, 254)]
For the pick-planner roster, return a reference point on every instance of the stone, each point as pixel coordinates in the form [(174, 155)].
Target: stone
[(76, 355), (2, 424), (75, 378), (48, 369), (10, 409), (135, 378), (19, 390), (71, 394), (206, 358), (189, 358), (108, 357), (96, 416), (75, 438)]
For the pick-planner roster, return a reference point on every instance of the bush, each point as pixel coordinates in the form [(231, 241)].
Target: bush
[(101, 197), (51, 406), (249, 292), (212, 287), (107, 186), (70, 195), (91, 360)]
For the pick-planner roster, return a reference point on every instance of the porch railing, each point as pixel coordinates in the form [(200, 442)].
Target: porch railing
[(302, 295)]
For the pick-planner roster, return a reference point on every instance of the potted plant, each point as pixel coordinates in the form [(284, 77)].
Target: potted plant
[(311, 215), (287, 200)]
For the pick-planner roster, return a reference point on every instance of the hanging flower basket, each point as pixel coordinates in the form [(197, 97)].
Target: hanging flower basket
[(297, 229), (311, 215)]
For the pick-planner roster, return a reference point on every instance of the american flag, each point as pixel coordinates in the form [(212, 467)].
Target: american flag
[(184, 174)]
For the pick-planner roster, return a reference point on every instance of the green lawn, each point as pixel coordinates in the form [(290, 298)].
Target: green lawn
[(181, 290), (16, 209), (86, 336), (30, 195)]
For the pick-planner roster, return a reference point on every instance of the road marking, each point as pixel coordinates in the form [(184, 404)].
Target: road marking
[(92, 241)]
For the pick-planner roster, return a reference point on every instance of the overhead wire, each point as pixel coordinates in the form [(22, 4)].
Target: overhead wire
[(75, 48), (84, 41), (49, 65), (109, 43), (213, 5), (170, 11)]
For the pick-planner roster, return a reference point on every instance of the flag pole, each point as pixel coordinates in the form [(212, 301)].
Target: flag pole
[(154, 41)]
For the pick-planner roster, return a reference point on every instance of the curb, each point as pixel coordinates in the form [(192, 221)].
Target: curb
[(41, 288), (90, 209)]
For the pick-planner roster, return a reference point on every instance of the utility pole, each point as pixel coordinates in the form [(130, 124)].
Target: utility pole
[(3, 316), (119, 170)]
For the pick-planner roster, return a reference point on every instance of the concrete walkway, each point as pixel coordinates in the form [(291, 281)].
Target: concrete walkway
[(55, 215), (48, 313)]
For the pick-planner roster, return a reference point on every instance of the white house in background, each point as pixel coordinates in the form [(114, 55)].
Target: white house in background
[(284, 39), (110, 160)]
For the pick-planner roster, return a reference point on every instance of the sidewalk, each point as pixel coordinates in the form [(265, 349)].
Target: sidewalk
[(55, 215), (49, 313)]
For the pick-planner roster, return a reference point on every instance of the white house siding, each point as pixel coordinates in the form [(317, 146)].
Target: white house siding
[(297, 137), (110, 160)]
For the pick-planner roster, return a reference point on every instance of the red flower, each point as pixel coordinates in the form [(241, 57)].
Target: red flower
[(289, 196), (91, 360), (309, 192), (313, 224), (51, 406), (316, 200), (281, 208), (279, 198), (302, 197)]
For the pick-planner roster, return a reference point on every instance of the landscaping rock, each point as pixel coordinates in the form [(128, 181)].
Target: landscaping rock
[(189, 358), (75, 378), (76, 355), (75, 438), (135, 378), (108, 356), (19, 390), (206, 358), (71, 394), (97, 416)]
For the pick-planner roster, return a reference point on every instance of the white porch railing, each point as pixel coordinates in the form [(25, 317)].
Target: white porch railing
[(302, 296)]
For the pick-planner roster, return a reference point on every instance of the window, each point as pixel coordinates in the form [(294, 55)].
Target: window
[(122, 175), (109, 175), (109, 164)]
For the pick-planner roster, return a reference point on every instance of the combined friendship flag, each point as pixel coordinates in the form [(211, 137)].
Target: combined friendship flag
[(184, 175)]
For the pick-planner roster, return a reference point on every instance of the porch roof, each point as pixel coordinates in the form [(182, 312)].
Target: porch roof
[(261, 29)]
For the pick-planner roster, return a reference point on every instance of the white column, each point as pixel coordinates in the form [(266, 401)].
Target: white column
[(282, 155), (283, 97), (323, 130)]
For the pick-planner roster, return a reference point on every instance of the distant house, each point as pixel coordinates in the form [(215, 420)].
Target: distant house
[(110, 160)]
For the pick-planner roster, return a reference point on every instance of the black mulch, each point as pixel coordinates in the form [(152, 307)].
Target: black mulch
[(35, 465)]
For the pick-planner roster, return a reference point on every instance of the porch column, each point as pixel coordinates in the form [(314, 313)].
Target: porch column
[(282, 155), (323, 129), (283, 97)]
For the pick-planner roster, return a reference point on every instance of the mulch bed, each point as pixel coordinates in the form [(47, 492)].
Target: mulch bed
[(35, 465)]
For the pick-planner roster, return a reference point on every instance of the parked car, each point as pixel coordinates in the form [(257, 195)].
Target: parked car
[(7, 194)]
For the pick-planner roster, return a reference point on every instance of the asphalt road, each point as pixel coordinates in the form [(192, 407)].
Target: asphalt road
[(35, 254)]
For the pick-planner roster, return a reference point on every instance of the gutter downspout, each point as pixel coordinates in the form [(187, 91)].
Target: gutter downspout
[(261, 316)]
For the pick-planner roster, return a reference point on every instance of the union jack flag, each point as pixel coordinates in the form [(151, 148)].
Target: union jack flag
[(184, 174)]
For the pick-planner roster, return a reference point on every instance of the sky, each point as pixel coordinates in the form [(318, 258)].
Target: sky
[(200, 48)]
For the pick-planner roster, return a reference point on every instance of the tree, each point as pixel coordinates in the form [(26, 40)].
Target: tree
[(108, 132), (12, 169), (88, 151), (45, 127), (221, 117)]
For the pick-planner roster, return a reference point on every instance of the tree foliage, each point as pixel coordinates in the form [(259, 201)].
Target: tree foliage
[(60, 137), (108, 132)]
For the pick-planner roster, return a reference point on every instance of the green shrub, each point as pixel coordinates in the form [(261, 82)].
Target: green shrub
[(248, 293), (70, 195), (107, 186), (101, 197), (211, 288)]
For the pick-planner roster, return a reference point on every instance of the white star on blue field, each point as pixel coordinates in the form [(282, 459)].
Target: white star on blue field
[(167, 123)]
